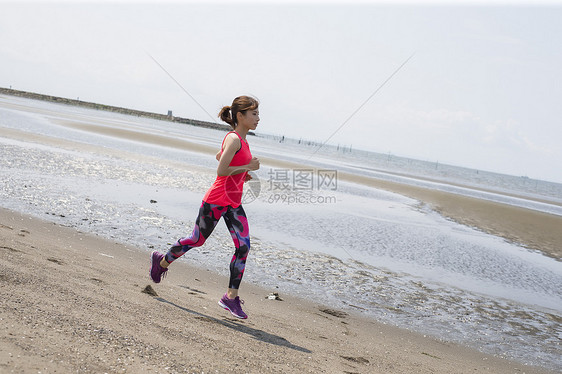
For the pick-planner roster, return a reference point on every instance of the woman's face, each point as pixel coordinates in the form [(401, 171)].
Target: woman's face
[(249, 119)]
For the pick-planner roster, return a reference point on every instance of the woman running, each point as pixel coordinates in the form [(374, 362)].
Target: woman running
[(223, 199)]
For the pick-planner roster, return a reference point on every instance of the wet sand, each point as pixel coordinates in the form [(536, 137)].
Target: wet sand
[(531, 229), (73, 302)]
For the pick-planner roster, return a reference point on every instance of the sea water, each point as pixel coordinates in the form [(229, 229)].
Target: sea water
[(343, 244)]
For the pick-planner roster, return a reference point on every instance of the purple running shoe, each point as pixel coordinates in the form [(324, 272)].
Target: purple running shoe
[(157, 272), (233, 306)]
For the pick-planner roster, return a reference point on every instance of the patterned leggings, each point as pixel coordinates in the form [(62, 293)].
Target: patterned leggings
[(209, 216)]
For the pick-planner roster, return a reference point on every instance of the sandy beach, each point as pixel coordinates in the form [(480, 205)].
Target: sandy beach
[(77, 302), (73, 302)]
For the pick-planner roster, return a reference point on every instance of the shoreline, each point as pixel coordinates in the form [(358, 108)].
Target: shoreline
[(75, 302), (531, 229)]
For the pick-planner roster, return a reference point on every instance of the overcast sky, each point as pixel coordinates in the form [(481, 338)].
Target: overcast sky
[(482, 90)]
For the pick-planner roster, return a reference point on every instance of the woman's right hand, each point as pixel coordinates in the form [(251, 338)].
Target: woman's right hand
[(254, 164)]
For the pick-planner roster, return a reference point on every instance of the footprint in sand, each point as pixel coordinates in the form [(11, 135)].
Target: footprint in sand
[(335, 313), (357, 360), (194, 291), (23, 232), (55, 260), (9, 249), (149, 291)]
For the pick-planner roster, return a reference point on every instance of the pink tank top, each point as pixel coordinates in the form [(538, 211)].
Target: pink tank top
[(227, 190)]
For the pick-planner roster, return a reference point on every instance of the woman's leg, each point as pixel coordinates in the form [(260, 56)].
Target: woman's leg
[(237, 223), (209, 215)]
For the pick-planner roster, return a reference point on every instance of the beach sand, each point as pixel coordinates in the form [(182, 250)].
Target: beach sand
[(73, 302), (532, 229)]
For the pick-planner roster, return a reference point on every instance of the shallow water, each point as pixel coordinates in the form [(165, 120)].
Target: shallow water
[(353, 247)]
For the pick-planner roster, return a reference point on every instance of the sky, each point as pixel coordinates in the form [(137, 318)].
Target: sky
[(473, 84)]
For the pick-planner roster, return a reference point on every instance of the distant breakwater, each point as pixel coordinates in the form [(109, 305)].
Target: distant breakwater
[(109, 108)]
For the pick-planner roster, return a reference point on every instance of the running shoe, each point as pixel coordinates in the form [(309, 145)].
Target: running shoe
[(157, 272), (233, 306)]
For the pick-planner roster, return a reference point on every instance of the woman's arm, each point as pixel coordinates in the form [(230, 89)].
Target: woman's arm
[(231, 146)]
